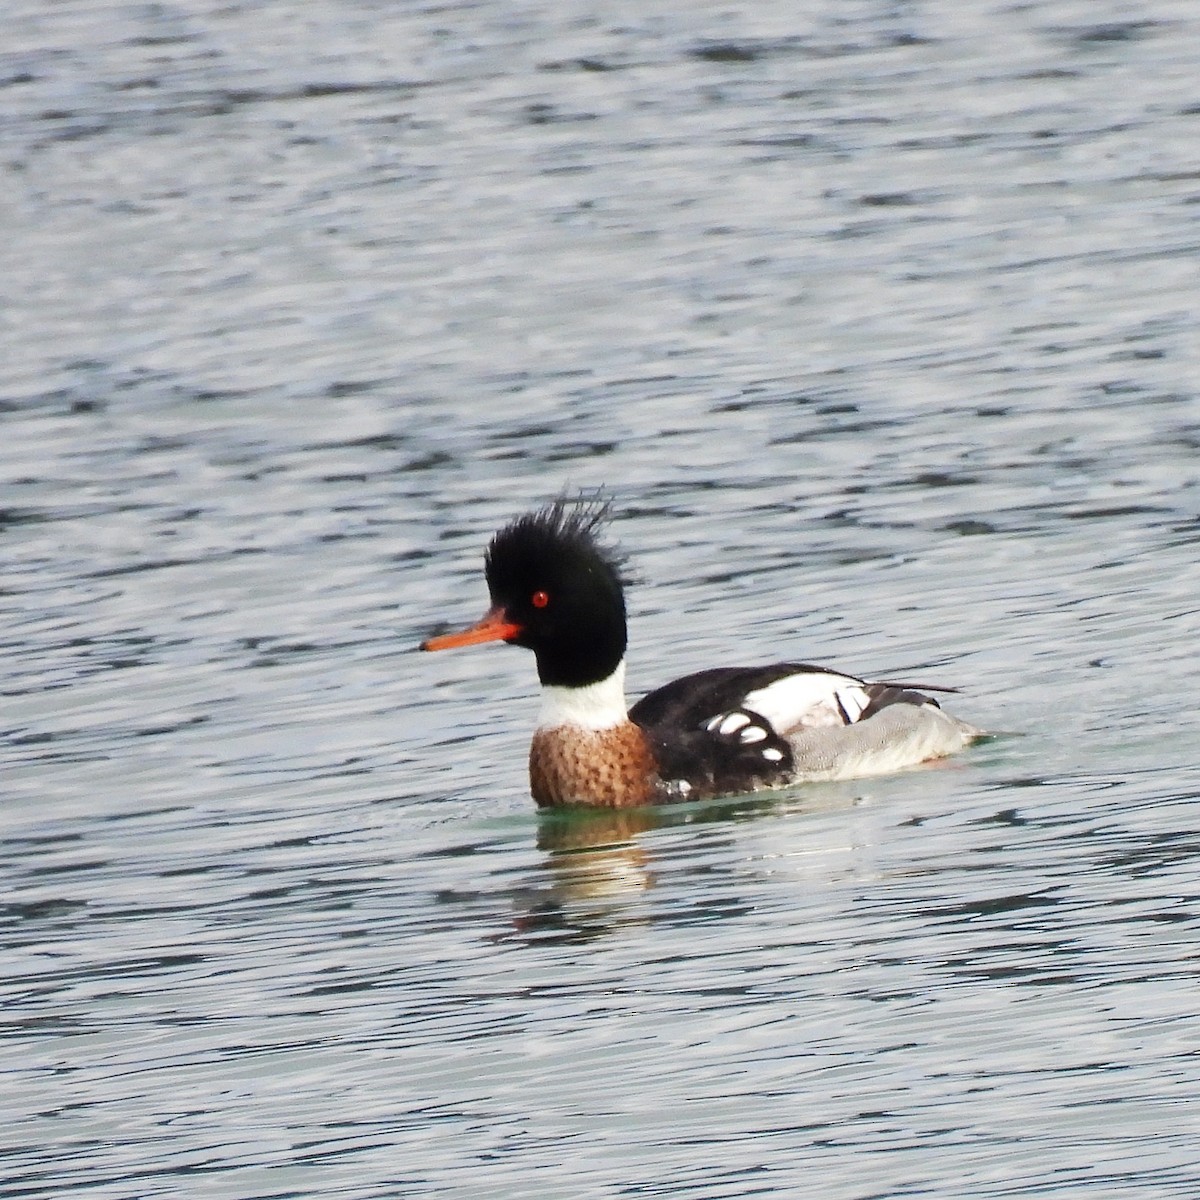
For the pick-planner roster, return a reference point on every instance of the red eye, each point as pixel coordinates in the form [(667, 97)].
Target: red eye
[(539, 599)]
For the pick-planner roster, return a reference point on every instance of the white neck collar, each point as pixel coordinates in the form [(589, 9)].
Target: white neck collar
[(594, 706)]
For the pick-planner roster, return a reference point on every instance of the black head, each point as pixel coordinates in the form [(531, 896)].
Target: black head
[(550, 576)]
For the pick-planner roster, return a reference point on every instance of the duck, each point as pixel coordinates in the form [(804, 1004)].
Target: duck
[(557, 588)]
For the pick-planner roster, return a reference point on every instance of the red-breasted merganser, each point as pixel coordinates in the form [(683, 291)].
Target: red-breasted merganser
[(558, 591)]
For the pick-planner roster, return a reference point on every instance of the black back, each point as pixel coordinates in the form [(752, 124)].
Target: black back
[(684, 720)]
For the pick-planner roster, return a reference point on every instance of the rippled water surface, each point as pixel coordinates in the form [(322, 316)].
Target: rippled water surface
[(877, 321)]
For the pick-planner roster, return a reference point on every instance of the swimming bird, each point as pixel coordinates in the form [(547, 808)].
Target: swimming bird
[(557, 589)]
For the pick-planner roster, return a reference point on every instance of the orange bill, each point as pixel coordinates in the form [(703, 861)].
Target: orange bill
[(494, 627)]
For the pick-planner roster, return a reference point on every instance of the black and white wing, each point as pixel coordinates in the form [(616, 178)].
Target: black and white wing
[(728, 729)]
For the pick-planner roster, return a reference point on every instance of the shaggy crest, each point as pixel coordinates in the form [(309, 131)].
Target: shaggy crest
[(567, 529)]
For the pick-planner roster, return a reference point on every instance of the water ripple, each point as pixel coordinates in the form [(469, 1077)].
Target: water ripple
[(876, 325)]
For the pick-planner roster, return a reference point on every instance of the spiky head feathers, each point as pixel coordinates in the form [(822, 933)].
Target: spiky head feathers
[(551, 574)]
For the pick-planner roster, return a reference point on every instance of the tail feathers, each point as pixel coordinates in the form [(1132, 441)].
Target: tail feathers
[(883, 695), (916, 687)]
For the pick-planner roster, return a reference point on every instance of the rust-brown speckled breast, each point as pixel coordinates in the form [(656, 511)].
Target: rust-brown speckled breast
[(610, 768)]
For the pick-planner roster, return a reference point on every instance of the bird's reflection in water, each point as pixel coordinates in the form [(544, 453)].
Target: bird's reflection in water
[(598, 868), (594, 854)]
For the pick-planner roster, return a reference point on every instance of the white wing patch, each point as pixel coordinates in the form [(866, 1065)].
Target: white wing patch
[(809, 700), (726, 726), (748, 732)]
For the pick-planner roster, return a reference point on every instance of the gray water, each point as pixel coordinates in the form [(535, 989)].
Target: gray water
[(877, 321)]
